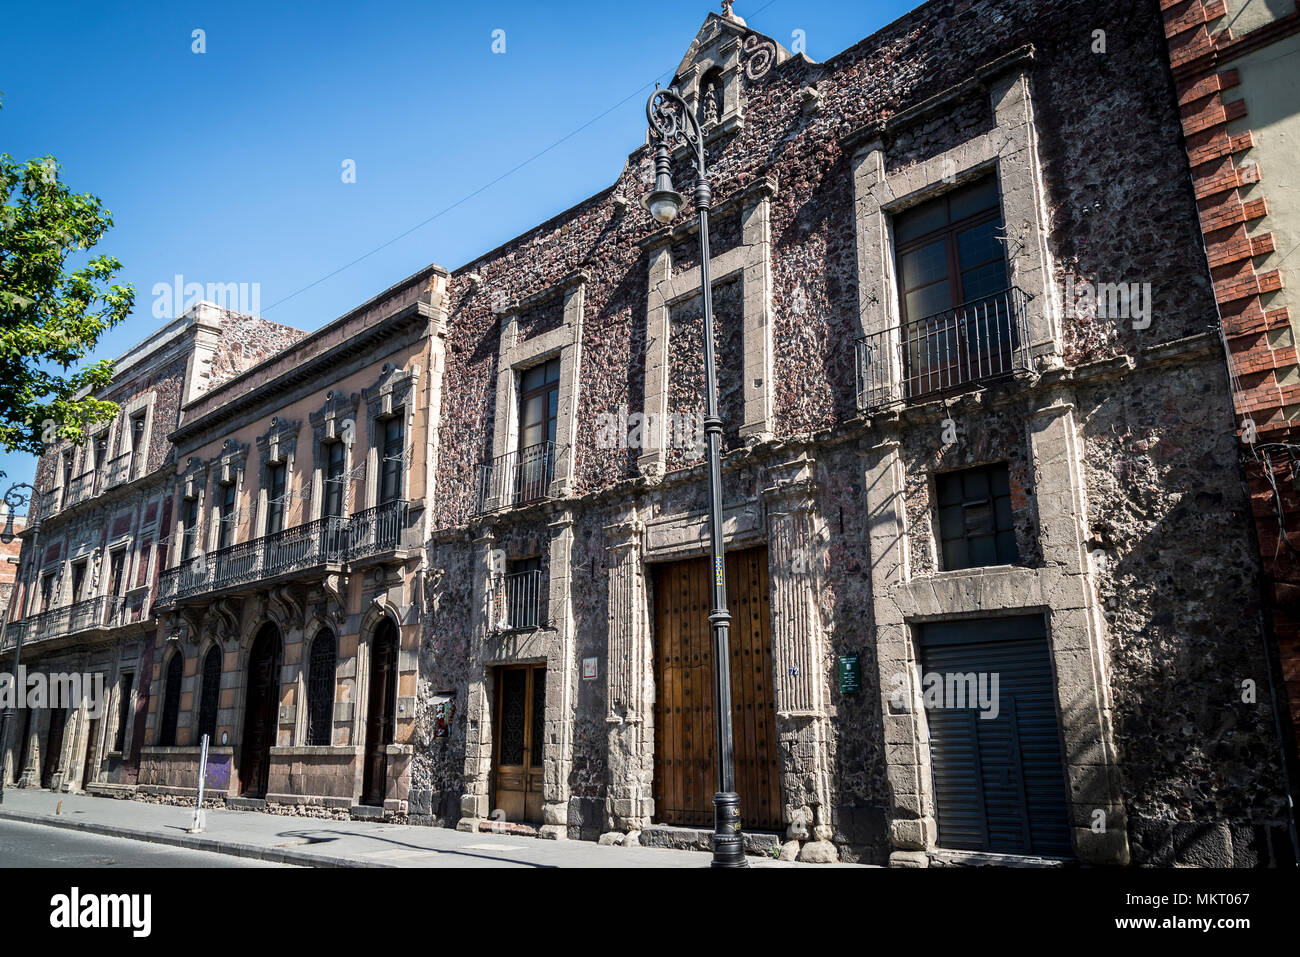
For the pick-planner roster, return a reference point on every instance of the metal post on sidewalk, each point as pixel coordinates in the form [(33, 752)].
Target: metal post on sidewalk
[(200, 817)]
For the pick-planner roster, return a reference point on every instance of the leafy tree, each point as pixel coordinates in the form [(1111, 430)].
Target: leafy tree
[(52, 315)]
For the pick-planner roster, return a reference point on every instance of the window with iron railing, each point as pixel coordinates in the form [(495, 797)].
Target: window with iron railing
[(394, 459), (226, 516), (276, 475), (515, 598), (189, 527), (332, 498)]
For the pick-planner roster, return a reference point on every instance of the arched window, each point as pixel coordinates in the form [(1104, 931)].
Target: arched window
[(171, 702), (320, 688), (211, 696)]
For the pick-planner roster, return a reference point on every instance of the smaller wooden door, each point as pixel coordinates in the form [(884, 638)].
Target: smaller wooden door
[(88, 769), (520, 720), (380, 717), (53, 746), (24, 747)]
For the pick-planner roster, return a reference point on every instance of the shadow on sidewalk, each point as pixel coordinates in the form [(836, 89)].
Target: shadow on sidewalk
[(325, 837)]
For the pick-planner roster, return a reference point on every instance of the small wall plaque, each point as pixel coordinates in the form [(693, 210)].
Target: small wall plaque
[(589, 669), (850, 674)]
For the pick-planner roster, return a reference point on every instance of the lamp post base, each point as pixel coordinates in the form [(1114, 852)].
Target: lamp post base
[(728, 841)]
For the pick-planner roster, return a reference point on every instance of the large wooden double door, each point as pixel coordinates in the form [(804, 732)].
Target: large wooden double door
[(520, 719), (381, 716), (261, 713), (685, 777)]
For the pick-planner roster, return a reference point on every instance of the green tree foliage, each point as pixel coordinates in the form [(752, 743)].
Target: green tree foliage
[(52, 315)]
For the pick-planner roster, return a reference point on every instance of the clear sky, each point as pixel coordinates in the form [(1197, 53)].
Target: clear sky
[(227, 166)]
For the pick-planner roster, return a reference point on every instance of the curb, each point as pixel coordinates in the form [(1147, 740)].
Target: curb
[(272, 855)]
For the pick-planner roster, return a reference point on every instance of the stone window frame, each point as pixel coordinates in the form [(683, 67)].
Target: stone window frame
[(752, 261), (278, 445), (331, 424), (1010, 151), (109, 431), (146, 402), (514, 357), (227, 467), (394, 389), (933, 475), (192, 486)]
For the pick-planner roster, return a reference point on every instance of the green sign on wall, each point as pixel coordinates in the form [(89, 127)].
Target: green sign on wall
[(850, 674)]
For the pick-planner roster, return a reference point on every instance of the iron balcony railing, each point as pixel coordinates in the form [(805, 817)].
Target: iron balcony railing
[(515, 601), (517, 478), (118, 471), (79, 489), (322, 542), (47, 504), (379, 529), (982, 339), (104, 611)]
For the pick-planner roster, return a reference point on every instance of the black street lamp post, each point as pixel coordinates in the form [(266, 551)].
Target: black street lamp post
[(672, 123), (14, 498)]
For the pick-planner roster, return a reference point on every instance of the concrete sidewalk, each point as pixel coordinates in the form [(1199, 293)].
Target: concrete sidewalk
[(324, 843)]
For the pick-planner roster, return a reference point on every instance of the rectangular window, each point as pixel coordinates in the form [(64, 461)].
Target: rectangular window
[(275, 497), (332, 504), (539, 403), (189, 528), (975, 527), (394, 452), (117, 572), (47, 591), (226, 516), (123, 711), (137, 443), (78, 581), (100, 448)]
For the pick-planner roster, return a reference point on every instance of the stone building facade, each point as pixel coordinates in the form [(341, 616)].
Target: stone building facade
[(102, 513), (288, 616), (1020, 479), (993, 589)]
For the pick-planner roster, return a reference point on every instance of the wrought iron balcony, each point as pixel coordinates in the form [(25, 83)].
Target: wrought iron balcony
[(517, 478), (118, 470), (48, 503), (378, 530), (292, 550), (104, 611), (515, 601), (979, 340), (79, 489)]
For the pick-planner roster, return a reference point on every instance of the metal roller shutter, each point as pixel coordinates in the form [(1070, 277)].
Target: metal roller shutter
[(999, 782)]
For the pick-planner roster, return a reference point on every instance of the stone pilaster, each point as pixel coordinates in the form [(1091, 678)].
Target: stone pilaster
[(557, 755), (629, 680), (475, 802)]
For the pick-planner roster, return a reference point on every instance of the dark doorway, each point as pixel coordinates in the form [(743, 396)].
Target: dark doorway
[(999, 775), (88, 769), (261, 705), (53, 746), (24, 747), (520, 716), (685, 764), (380, 710)]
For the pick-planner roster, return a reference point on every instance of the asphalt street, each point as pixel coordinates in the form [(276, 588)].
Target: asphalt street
[(32, 845)]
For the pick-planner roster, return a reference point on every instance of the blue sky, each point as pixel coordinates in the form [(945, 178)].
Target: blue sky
[(226, 166)]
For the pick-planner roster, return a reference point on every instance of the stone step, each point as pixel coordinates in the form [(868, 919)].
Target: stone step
[(676, 837)]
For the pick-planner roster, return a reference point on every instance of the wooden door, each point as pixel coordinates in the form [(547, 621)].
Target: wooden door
[(685, 761), (53, 746), (88, 769), (380, 717), (520, 719), (260, 713), (24, 747)]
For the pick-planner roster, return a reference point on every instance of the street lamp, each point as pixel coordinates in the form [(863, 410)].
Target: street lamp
[(672, 123), (15, 498)]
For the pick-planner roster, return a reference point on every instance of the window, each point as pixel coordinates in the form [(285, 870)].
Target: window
[(948, 250), (975, 525), (394, 452), (137, 443), (189, 527), (275, 497), (100, 447), (47, 591), (78, 581), (211, 695), (320, 689), (226, 516), (332, 504), (523, 592), (539, 403), (117, 571), (171, 703), (67, 471), (123, 710)]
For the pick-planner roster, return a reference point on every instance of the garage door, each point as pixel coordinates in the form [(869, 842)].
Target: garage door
[(999, 781)]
